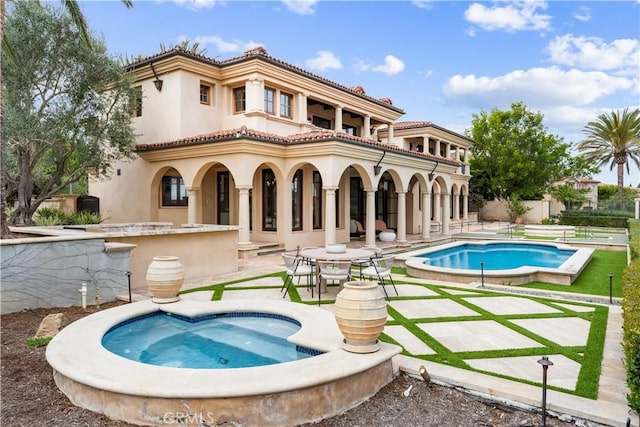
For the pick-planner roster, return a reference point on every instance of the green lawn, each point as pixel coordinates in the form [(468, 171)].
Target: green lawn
[(594, 279)]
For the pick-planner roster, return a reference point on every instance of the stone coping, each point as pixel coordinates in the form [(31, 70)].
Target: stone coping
[(77, 353), (58, 233), (571, 266)]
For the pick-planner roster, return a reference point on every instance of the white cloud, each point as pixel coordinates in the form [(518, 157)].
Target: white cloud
[(583, 13), (536, 87), (594, 53), (324, 61), (225, 45), (392, 65), (197, 4), (423, 4), (301, 7), (512, 17), (425, 74)]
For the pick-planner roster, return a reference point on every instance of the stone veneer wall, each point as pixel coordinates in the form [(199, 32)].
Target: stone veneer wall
[(50, 273)]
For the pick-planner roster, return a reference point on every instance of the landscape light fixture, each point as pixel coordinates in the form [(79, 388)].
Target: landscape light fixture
[(482, 273), (545, 362), (377, 168), (610, 288), (157, 82)]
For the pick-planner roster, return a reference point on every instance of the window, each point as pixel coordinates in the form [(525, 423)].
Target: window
[(223, 198), (269, 201), (296, 201), (269, 100), (351, 130), (174, 193), (321, 122), (239, 98), (286, 105), (136, 102), (205, 94), (316, 193)]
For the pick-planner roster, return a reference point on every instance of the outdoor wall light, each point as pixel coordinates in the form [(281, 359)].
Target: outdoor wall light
[(377, 168), (431, 174), (157, 82)]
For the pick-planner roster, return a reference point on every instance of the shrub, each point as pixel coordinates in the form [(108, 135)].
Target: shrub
[(631, 319), (596, 218), (50, 216), (53, 216)]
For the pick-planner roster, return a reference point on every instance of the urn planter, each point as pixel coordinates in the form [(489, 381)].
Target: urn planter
[(361, 313), (165, 277)]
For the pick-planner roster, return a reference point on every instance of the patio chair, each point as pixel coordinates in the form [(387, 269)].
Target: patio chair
[(296, 267), (380, 268), (333, 270), (365, 262), (382, 226), (357, 230)]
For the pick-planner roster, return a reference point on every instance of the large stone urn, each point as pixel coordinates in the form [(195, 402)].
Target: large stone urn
[(165, 277), (361, 313)]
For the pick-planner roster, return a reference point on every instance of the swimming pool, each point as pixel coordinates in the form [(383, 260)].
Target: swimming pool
[(460, 262), (222, 341), (498, 256)]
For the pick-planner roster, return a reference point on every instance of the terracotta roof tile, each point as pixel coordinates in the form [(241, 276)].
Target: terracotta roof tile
[(300, 138)]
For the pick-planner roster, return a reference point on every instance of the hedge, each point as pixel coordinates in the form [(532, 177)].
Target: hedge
[(631, 317), (596, 218)]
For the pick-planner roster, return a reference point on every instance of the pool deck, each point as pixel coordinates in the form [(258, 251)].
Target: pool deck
[(609, 409)]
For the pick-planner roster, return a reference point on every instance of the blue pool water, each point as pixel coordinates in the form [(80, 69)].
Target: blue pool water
[(498, 256), (233, 340)]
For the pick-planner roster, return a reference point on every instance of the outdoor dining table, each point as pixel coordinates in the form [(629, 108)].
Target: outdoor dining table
[(321, 254)]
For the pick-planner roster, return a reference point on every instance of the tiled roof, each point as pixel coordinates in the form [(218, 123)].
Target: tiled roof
[(262, 54), (295, 139), (417, 125)]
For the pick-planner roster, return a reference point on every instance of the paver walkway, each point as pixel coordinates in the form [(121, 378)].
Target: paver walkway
[(452, 319)]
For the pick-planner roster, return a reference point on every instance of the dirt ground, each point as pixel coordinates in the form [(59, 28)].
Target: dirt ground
[(29, 396)]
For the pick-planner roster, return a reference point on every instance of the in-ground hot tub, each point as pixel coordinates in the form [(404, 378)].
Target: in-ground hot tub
[(287, 393)]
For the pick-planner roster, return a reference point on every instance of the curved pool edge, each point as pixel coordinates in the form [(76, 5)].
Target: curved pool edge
[(563, 275), (98, 380)]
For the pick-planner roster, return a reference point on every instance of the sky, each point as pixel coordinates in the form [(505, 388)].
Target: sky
[(440, 61)]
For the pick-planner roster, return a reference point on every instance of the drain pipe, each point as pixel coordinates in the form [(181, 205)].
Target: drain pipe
[(83, 293)]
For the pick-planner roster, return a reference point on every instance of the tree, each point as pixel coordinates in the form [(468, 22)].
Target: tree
[(568, 195), (66, 107), (613, 138), (513, 156)]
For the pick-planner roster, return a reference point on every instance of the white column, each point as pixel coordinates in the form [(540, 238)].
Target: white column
[(456, 207), (390, 133), (401, 236), (447, 150), (637, 208), (244, 234), (338, 119), (426, 214), (192, 205), (465, 206), (437, 212), (437, 147), (255, 95), (301, 108), (330, 215), (370, 239), (366, 132), (446, 211)]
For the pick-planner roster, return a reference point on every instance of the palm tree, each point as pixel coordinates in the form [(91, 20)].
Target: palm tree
[(613, 139)]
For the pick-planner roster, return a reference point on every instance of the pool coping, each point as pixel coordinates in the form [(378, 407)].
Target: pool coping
[(564, 274), (77, 353)]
